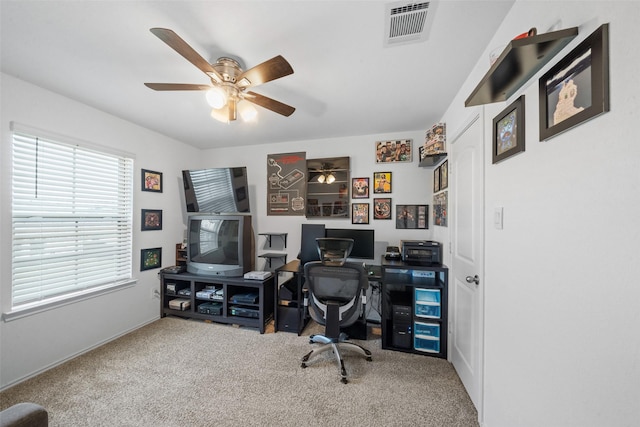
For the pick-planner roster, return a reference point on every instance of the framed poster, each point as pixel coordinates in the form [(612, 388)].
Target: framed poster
[(436, 179), (360, 188), (440, 209), (393, 151), (576, 89), (151, 181), (360, 213), (412, 216), (150, 258), (286, 184), (151, 219), (381, 208), (382, 182), (508, 131), (444, 175)]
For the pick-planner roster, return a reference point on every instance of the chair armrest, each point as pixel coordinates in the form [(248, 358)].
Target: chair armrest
[(24, 414)]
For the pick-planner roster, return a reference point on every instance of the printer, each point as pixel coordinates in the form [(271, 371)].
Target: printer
[(422, 252)]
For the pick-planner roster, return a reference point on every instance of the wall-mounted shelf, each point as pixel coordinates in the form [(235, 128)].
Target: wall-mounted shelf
[(431, 160), (519, 61), (269, 235), (273, 255)]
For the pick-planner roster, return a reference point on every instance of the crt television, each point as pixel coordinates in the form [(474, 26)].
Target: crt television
[(363, 241), (216, 190), (219, 245)]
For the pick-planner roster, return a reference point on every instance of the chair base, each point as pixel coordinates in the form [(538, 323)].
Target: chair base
[(334, 344)]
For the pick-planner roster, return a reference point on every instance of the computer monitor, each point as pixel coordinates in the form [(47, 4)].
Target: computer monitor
[(363, 241)]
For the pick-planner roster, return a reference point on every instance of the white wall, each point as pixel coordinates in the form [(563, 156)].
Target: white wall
[(411, 184), (34, 343), (562, 301)]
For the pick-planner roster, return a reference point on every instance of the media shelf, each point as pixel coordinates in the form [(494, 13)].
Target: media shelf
[(414, 308), (231, 300)]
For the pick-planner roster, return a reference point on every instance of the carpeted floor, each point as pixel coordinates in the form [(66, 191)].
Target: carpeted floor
[(177, 372)]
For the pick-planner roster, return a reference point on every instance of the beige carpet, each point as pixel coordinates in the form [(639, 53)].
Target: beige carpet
[(177, 372)]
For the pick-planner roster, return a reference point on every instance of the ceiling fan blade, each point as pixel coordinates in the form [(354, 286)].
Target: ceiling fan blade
[(176, 43), (269, 103), (176, 86), (272, 69)]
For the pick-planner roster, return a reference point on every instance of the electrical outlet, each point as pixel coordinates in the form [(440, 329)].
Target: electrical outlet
[(155, 293)]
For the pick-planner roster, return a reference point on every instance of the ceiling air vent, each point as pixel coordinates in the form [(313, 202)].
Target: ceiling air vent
[(408, 22)]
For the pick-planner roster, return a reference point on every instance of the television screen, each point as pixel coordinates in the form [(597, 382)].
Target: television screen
[(216, 190), (363, 241), (219, 245)]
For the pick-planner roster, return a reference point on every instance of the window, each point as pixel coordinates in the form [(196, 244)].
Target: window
[(72, 220)]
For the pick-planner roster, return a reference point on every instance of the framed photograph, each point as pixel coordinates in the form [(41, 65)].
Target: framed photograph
[(381, 208), (151, 219), (576, 89), (151, 181), (150, 258), (444, 175), (393, 151), (508, 131), (359, 188), (412, 216), (381, 182), (440, 209), (360, 213), (436, 179)]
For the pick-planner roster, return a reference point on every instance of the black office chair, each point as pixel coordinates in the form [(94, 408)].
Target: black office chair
[(335, 298)]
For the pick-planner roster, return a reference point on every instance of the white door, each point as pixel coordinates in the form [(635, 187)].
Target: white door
[(466, 171)]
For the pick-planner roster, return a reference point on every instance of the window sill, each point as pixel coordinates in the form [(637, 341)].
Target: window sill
[(35, 308)]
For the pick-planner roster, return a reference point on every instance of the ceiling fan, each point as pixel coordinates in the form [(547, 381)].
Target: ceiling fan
[(229, 83)]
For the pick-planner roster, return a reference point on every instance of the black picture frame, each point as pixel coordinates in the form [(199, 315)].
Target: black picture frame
[(382, 182), (444, 175), (360, 213), (151, 219), (151, 181), (360, 188), (412, 217), (580, 81), (508, 131), (150, 258), (436, 179), (382, 208)]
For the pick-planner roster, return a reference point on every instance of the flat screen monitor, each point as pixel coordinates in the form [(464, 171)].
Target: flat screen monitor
[(363, 241), (216, 190)]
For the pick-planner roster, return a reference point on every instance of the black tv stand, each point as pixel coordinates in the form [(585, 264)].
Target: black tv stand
[(172, 284)]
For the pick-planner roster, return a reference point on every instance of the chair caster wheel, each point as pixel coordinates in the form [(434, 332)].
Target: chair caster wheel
[(369, 359), (310, 341), (344, 381), (304, 365)]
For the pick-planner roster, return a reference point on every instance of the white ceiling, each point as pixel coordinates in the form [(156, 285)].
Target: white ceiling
[(345, 81)]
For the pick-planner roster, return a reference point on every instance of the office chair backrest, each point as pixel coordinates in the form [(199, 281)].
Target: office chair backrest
[(342, 284)]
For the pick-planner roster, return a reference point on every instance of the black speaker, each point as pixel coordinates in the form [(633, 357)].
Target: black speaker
[(308, 245), (288, 318)]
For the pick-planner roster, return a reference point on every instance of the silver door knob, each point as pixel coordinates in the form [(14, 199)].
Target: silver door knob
[(475, 279)]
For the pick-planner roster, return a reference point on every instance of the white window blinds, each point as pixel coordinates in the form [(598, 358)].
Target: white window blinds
[(72, 220)]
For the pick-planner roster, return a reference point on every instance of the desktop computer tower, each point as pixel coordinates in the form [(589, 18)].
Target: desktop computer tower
[(402, 335)]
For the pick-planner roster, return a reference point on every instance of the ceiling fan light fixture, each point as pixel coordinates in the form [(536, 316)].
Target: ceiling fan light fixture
[(216, 98), (247, 111), (244, 82), (330, 178), (321, 178), (220, 114)]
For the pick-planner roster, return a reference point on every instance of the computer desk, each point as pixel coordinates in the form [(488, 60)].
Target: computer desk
[(291, 312)]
